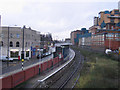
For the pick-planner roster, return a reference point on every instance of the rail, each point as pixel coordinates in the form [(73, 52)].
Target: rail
[(71, 57)]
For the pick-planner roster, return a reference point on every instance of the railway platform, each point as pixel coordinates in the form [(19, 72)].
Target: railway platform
[(35, 81)]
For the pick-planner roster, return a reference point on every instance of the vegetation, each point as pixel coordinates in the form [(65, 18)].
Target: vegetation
[(99, 71)]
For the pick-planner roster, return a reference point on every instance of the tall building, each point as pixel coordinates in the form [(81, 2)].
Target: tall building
[(106, 34), (75, 35), (96, 21), (119, 6), (109, 19)]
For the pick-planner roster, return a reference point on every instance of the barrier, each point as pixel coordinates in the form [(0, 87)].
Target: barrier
[(7, 82), (18, 78), (49, 63), (41, 67), (36, 70), (45, 65), (54, 61), (0, 84), (29, 73)]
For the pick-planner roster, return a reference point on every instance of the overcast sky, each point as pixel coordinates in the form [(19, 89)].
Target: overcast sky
[(58, 17)]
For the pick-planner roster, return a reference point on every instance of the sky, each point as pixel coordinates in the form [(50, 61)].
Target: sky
[(58, 17)]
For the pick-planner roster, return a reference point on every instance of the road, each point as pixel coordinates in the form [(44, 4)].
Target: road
[(18, 65)]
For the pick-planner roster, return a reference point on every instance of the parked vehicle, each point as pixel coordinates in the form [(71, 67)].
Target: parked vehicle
[(5, 58), (108, 51)]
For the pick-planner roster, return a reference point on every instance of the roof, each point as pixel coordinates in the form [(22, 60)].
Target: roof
[(114, 17), (107, 12), (62, 44), (83, 29)]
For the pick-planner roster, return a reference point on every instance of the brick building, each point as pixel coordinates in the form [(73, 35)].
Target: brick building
[(106, 39), (109, 19), (75, 35)]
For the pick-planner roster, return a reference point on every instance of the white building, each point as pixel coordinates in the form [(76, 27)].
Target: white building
[(12, 42)]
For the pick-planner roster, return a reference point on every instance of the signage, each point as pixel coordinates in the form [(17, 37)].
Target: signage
[(31, 48)]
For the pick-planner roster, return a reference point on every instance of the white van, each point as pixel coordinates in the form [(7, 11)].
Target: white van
[(5, 58), (108, 51)]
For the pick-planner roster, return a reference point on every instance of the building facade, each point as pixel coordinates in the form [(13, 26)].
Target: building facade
[(16, 39), (75, 35), (109, 19), (96, 19), (106, 39), (119, 6), (85, 40)]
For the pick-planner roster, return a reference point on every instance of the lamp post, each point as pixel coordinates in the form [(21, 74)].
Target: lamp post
[(8, 49), (39, 57), (22, 55)]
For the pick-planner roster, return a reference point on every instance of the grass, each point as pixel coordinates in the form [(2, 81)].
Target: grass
[(99, 71)]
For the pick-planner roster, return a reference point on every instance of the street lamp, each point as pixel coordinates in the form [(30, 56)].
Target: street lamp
[(22, 55), (8, 49), (39, 57)]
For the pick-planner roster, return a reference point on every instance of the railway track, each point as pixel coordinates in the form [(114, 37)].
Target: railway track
[(60, 79)]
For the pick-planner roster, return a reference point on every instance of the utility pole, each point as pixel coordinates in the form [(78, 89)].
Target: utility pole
[(39, 55), (22, 55), (8, 49)]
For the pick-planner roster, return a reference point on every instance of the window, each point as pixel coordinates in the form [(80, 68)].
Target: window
[(26, 44), (27, 53), (18, 35), (11, 44), (17, 44), (112, 20), (11, 35), (2, 35), (14, 54), (1, 43)]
